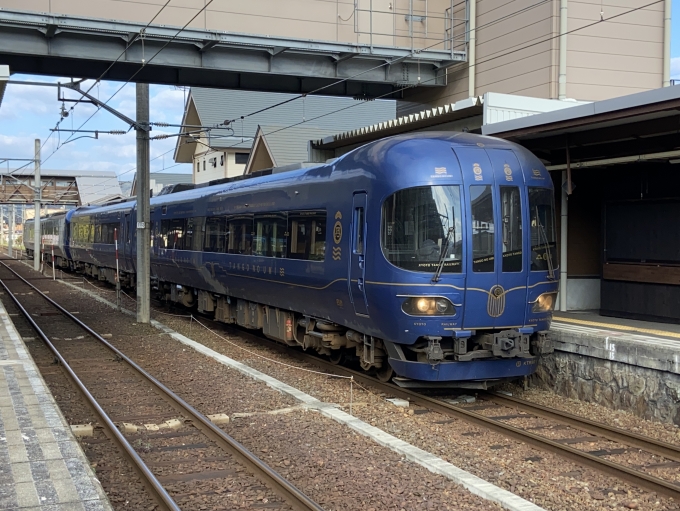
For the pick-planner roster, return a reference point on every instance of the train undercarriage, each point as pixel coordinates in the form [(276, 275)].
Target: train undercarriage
[(336, 342)]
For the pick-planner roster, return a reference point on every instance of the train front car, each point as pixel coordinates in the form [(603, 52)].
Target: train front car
[(464, 275)]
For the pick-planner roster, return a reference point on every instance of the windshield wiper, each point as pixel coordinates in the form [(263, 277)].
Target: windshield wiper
[(442, 256), (541, 230)]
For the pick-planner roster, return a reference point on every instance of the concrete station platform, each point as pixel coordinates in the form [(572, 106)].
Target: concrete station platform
[(42, 466), (621, 363)]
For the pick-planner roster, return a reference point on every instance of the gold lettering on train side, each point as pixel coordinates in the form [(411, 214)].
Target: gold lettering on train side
[(282, 272)]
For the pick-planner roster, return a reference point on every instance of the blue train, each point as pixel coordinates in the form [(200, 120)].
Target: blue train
[(430, 257)]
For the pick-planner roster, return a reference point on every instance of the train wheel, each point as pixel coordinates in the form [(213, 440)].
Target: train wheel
[(385, 373), (337, 357)]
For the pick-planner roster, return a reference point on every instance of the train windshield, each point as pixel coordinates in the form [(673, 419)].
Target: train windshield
[(543, 237), (420, 225)]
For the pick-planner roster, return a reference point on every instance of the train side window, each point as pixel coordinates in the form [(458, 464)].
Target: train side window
[(271, 235), (240, 235), (172, 234), (307, 238), (483, 232), (544, 254), (215, 234), (359, 231), (511, 217)]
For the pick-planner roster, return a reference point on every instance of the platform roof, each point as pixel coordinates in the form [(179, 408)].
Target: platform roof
[(642, 126), (59, 186)]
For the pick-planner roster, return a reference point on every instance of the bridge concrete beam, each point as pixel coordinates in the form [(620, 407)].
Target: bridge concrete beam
[(84, 47)]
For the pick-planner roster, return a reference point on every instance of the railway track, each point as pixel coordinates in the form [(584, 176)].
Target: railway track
[(499, 413), (503, 410), (185, 449)]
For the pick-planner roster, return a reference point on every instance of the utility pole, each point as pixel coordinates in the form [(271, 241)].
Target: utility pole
[(38, 195), (143, 206), (10, 241)]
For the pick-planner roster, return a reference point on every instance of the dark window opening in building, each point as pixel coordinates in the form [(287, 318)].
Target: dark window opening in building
[(241, 158)]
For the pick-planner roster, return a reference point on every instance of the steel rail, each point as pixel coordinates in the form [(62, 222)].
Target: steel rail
[(628, 474), (158, 493), (286, 490), (615, 434)]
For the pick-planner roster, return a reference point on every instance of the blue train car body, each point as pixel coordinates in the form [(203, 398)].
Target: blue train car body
[(430, 255)]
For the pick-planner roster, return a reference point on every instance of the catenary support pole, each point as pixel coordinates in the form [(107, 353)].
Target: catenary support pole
[(562, 79), (115, 240), (10, 240), (143, 208), (563, 243), (36, 224)]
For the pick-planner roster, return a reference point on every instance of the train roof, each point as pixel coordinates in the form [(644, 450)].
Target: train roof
[(272, 176)]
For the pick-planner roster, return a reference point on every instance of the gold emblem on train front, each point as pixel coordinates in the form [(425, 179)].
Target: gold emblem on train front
[(508, 172), (495, 306), (477, 169)]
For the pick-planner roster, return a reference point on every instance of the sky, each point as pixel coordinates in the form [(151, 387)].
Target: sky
[(28, 112), (675, 40)]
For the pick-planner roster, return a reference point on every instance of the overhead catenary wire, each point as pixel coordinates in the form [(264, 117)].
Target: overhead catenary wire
[(472, 65), (482, 61), (426, 81), (127, 47), (96, 82), (414, 52), (144, 64)]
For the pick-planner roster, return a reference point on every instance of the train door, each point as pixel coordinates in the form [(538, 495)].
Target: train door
[(511, 267), (126, 240), (480, 261), (357, 268)]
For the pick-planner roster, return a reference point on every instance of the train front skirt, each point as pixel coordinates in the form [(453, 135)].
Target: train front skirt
[(461, 372)]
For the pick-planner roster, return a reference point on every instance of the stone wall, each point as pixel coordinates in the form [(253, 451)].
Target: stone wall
[(649, 393)]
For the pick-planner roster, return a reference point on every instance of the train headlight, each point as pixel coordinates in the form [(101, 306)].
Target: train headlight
[(424, 304), (441, 305), (544, 303), (428, 306)]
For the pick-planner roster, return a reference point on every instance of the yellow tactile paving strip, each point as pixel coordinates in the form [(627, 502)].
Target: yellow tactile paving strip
[(611, 326)]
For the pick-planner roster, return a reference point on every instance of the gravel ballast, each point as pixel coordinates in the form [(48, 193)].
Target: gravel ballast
[(545, 479)]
